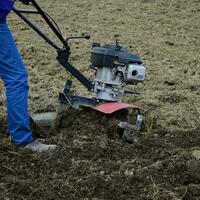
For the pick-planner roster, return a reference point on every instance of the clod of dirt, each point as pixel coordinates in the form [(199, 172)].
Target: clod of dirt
[(103, 142), (196, 154)]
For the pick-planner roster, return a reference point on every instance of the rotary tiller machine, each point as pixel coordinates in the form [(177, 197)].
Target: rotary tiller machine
[(114, 68)]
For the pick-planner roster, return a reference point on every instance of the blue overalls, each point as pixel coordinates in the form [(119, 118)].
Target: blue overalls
[(14, 75)]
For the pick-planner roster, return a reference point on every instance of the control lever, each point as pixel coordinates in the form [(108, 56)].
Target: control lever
[(87, 37)]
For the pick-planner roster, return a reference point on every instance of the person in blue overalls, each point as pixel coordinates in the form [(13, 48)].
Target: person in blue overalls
[(15, 78)]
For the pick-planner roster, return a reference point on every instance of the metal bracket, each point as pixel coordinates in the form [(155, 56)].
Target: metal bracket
[(130, 132), (73, 100)]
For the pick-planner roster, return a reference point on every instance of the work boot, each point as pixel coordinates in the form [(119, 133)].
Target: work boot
[(39, 147)]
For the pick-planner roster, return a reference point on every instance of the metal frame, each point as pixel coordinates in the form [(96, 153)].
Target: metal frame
[(129, 133), (63, 52)]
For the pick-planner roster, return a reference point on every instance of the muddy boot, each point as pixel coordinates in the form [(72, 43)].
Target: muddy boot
[(40, 147)]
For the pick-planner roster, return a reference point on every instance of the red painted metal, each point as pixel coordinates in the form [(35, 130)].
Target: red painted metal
[(111, 107)]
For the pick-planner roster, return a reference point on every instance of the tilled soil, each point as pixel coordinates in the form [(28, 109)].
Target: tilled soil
[(92, 162)]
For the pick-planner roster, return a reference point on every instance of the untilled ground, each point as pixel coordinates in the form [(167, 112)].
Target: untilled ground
[(164, 163)]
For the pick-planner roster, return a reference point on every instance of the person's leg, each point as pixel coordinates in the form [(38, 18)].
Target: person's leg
[(14, 75)]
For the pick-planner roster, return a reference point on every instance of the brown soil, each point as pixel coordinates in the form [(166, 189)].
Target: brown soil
[(92, 162)]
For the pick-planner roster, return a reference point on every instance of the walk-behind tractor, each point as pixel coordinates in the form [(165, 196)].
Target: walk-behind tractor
[(114, 68)]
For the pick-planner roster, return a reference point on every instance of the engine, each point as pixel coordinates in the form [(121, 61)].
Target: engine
[(115, 68)]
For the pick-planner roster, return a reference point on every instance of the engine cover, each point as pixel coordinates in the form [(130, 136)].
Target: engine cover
[(108, 54)]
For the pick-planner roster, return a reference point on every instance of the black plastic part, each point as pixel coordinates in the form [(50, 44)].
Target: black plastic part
[(107, 55), (134, 72)]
